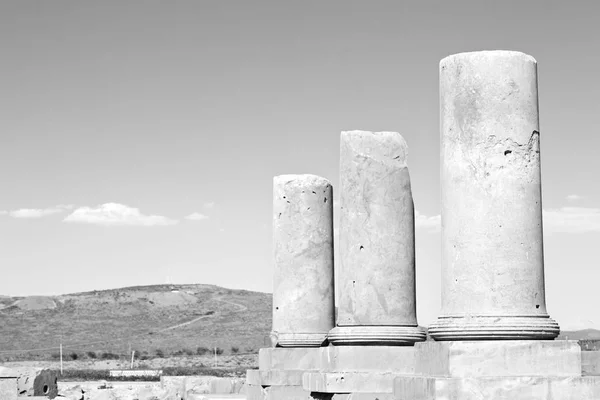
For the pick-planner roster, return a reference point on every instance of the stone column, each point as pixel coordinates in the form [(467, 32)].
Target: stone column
[(492, 253), (303, 297), (377, 247)]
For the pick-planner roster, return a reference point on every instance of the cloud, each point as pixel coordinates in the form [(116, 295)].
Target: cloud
[(209, 205), (431, 224), (38, 212), (196, 216), (114, 214), (572, 220), (574, 197)]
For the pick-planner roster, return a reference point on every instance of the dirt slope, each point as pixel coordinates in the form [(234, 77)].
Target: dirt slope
[(164, 318)]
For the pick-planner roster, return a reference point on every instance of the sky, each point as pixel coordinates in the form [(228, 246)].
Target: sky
[(139, 139)]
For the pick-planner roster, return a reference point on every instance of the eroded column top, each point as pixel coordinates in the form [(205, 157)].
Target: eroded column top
[(300, 180), (382, 146)]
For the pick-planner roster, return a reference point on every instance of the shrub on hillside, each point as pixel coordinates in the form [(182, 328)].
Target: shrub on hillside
[(91, 354), (219, 351), (74, 356), (234, 349), (160, 353), (201, 350), (110, 356)]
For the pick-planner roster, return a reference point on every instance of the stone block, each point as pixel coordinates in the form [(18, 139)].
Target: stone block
[(497, 388), (399, 359), (590, 363), (349, 382), (352, 396), (274, 377), (255, 392), (499, 358), (305, 358), (8, 388)]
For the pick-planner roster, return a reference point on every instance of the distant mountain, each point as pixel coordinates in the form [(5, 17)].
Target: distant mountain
[(584, 334), (165, 318)]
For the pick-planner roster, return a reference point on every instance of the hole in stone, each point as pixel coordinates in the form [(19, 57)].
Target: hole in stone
[(284, 197), (279, 215), (288, 201), (537, 306), (507, 152), (314, 192), (361, 247), (308, 209), (277, 308), (45, 389), (325, 200)]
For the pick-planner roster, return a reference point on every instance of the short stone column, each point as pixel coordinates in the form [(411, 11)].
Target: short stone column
[(303, 296), (376, 270), (492, 252)]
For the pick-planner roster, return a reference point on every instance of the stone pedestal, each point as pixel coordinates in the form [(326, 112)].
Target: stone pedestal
[(303, 297), (498, 370), (377, 254), (492, 252)]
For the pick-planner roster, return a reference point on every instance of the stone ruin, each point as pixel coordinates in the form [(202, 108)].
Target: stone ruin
[(494, 338)]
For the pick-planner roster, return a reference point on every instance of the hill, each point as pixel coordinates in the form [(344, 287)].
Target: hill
[(158, 319), (584, 334)]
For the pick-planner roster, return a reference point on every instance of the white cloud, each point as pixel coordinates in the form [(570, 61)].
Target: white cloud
[(209, 205), (574, 197), (38, 212), (431, 224), (196, 216), (572, 220), (114, 214)]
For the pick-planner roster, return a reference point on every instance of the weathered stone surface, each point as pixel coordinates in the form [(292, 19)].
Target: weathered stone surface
[(277, 393), (349, 382), (497, 388), (305, 358), (398, 359), (499, 358), (492, 250), (36, 382), (303, 309), (352, 396), (377, 255), (274, 377), (8, 388), (590, 363)]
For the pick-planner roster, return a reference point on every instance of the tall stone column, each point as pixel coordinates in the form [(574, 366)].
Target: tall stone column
[(377, 247), (492, 251), (303, 296)]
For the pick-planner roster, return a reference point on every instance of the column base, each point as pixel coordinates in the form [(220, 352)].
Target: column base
[(298, 339), (494, 327), (376, 335)]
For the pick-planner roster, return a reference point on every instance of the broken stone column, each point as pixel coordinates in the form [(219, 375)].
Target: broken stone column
[(492, 252), (376, 275), (303, 297)]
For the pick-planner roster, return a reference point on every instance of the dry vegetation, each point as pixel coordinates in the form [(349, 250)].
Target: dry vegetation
[(158, 322)]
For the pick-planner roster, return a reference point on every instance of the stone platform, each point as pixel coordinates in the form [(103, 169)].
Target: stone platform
[(343, 373), (453, 370), (498, 388), (498, 370)]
